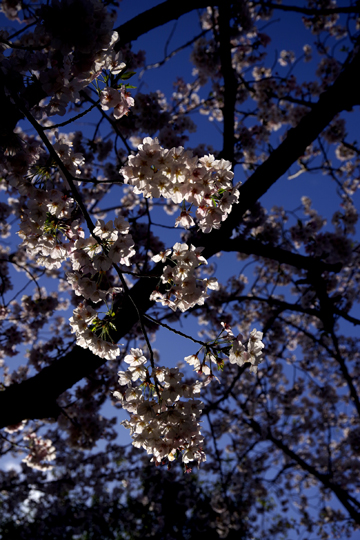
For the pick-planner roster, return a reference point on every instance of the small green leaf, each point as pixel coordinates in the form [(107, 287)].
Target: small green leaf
[(127, 75)]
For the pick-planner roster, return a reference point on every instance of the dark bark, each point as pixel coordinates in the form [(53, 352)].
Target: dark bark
[(158, 16)]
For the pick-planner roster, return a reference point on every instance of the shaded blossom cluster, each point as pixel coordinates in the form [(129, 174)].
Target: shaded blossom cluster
[(41, 452)]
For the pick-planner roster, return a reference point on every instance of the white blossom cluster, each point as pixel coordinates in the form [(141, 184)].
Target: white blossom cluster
[(63, 81), (41, 452), (165, 413), (176, 174), (239, 353), (49, 233), (89, 259), (120, 100), (83, 323), (185, 289), (165, 422)]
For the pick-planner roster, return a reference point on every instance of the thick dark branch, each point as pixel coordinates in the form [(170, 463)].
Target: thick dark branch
[(230, 83), (157, 16), (36, 397), (283, 256)]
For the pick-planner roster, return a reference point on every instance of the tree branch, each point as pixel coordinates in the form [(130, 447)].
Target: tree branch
[(230, 83), (342, 95), (283, 256), (310, 11), (157, 16), (349, 502)]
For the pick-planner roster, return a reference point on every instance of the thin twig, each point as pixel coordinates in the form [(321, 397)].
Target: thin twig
[(25, 270), (173, 330), (55, 126)]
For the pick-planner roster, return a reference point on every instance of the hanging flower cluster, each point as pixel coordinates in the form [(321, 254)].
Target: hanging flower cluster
[(164, 414), (93, 333), (240, 354), (121, 100)]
